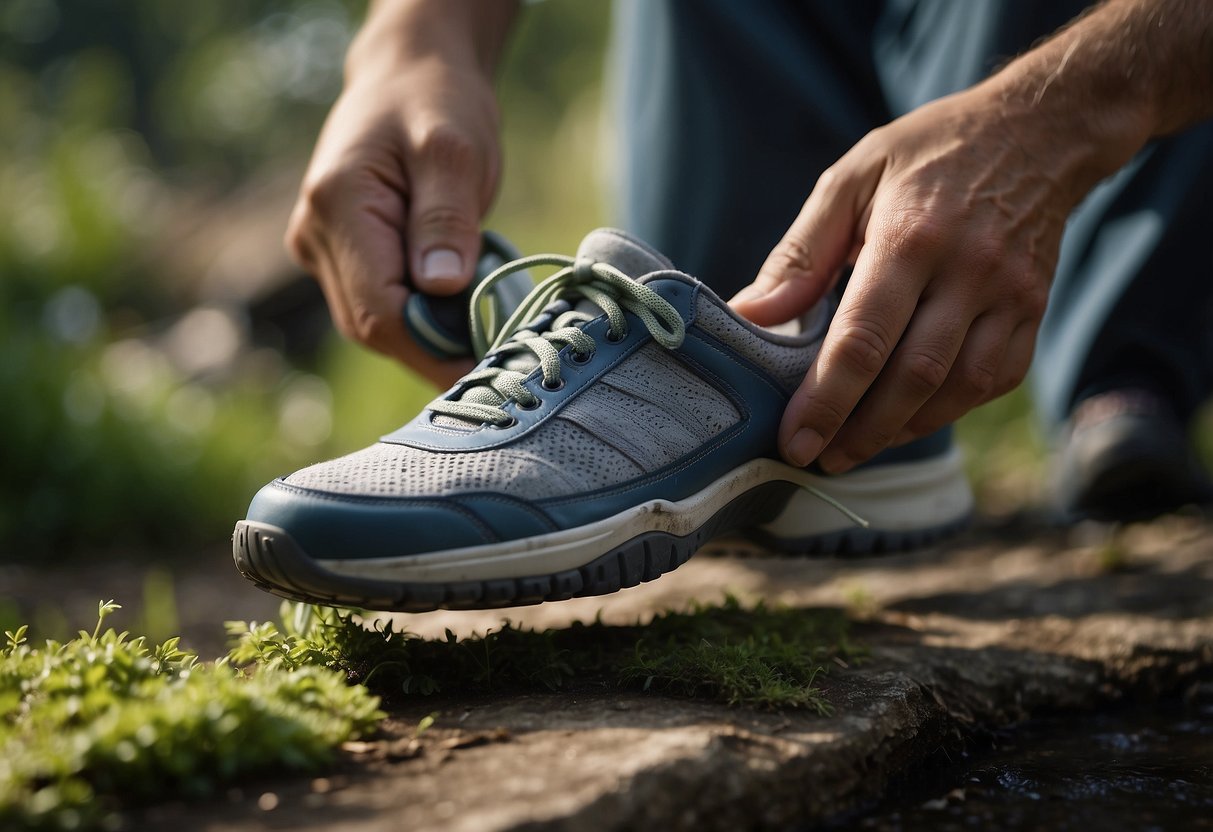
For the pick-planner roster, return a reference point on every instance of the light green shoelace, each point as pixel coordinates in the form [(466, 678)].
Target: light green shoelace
[(487, 391)]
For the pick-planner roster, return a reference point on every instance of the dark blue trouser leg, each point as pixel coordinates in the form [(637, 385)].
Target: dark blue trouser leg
[(729, 111), (1132, 303)]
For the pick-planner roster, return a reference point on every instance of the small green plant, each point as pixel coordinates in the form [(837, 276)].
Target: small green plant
[(104, 720)]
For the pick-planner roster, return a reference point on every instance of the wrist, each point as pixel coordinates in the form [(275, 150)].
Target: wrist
[(466, 35), (1070, 116)]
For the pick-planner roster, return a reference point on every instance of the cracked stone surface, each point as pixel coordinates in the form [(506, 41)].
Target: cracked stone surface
[(1000, 625)]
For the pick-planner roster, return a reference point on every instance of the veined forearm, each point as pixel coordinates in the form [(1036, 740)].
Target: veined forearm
[(1129, 70)]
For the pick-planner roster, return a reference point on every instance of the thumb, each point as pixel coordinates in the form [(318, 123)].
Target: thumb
[(806, 262), (443, 230)]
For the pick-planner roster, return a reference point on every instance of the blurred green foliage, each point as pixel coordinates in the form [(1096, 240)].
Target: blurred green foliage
[(117, 117), (113, 116)]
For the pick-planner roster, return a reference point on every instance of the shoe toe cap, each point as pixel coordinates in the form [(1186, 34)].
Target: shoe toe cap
[(341, 527), (350, 527)]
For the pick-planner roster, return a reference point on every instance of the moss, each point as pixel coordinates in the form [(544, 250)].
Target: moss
[(758, 656), (104, 720)]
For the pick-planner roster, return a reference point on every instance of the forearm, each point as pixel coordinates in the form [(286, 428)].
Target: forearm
[(465, 32), (1123, 73)]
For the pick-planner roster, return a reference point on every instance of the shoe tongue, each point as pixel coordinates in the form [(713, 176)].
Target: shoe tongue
[(617, 248), (605, 245)]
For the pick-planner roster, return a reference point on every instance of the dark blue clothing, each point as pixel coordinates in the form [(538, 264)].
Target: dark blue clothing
[(728, 111)]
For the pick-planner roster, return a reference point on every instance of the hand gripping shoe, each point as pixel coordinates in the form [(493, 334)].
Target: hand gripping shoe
[(439, 324), (620, 418)]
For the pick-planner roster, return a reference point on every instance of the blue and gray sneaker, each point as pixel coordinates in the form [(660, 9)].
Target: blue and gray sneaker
[(621, 417)]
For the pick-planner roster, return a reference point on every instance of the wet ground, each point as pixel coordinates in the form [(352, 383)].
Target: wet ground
[(1145, 768)]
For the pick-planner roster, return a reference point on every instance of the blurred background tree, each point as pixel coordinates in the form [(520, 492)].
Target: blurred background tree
[(162, 359)]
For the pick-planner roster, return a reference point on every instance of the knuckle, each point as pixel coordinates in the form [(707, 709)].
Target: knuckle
[(875, 439), (978, 378), (863, 347), (914, 234), (447, 148), (1030, 293), (827, 416), (926, 370), (792, 257), (988, 255), (1036, 301), (1007, 381), (445, 220), (319, 196), (371, 328), (297, 245), (829, 181)]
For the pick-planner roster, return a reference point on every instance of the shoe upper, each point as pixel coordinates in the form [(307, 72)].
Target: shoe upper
[(635, 382)]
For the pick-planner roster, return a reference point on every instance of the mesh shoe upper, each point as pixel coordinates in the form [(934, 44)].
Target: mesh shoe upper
[(642, 419)]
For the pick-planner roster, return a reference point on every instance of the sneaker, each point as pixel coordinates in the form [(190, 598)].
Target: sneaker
[(1126, 456), (619, 419)]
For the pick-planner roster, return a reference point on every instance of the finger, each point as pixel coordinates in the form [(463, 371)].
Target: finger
[(446, 200), (917, 371), (370, 260), (805, 263), (993, 361), (305, 243), (1017, 361), (326, 275), (878, 304)]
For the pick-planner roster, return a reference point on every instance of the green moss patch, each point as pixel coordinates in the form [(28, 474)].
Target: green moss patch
[(755, 656), (105, 720)]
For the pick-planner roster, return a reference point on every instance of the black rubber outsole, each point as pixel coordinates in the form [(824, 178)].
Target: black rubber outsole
[(270, 558)]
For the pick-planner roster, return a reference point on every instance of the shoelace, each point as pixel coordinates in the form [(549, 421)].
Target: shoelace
[(487, 391)]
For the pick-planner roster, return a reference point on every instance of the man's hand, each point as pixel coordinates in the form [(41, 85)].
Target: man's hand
[(952, 217), (405, 167), (956, 228)]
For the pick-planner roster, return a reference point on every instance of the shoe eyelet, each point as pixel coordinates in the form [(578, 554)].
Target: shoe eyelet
[(613, 338), (580, 358), (534, 405), (559, 385), (504, 425)]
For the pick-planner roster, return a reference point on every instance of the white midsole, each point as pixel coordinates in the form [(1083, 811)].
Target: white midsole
[(573, 548), (903, 496)]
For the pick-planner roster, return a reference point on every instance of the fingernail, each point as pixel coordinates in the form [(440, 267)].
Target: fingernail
[(441, 265), (803, 447)]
